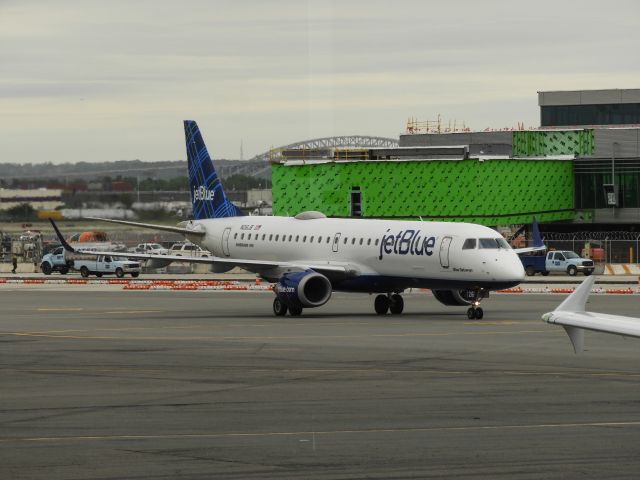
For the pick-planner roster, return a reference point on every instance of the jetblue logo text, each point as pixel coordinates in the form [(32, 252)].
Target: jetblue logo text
[(406, 242), (201, 193)]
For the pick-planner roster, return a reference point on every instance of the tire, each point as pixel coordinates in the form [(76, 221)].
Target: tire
[(46, 268), (135, 274), (99, 274), (295, 311), (479, 313), (119, 272), (381, 304), (84, 271), (279, 308), (545, 273), (530, 271), (587, 272), (64, 270), (471, 314), (572, 271), (397, 304)]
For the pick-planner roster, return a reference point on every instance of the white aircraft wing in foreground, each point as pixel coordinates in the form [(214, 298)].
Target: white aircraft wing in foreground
[(575, 320)]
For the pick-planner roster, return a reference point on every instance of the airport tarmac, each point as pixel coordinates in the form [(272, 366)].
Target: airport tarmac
[(103, 383)]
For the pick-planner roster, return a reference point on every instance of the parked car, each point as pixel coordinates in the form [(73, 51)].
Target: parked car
[(188, 249), (152, 248)]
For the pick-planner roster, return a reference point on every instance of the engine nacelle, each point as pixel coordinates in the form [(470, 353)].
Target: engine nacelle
[(306, 289), (455, 297)]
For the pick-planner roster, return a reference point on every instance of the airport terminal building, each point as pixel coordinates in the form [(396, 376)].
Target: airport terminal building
[(582, 165)]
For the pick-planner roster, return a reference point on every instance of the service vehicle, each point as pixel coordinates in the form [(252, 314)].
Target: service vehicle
[(562, 261), (106, 265), (56, 261)]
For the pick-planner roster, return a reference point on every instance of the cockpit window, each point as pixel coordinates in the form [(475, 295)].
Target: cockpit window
[(489, 243), (469, 244), (503, 243)]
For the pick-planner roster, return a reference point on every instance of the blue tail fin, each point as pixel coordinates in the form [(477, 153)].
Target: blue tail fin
[(207, 196), (537, 239)]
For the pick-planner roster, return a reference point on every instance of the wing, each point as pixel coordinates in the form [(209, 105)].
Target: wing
[(332, 271), (195, 230)]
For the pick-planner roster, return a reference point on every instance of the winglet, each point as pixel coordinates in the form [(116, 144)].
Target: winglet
[(576, 335), (537, 238), (578, 299), (64, 243)]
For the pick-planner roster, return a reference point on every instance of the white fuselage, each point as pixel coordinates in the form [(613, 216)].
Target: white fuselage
[(382, 252)]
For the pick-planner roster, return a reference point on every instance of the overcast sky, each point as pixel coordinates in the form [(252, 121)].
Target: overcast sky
[(95, 80)]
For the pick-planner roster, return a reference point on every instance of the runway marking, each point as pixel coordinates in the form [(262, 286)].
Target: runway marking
[(263, 338), (61, 309), (364, 431)]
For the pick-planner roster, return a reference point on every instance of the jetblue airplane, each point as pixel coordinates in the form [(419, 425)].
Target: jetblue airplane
[(309, 256)]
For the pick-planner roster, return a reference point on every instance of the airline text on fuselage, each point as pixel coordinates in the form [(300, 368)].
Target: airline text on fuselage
[(406, 242)]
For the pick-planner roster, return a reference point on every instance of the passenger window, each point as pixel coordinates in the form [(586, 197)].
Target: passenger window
[(311, 239), (345, 240), (304, 239), (488, 243), (361, 240), (377, 240), (319, 239), (368, 241), (469, 244), (290, 237), (263, 236), (235, 235), (297, 238), (249, 236), (270, 236), (242, 237), (328, 239), (353, 241), (277, 237)]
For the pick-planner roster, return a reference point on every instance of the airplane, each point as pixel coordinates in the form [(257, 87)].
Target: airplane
[(571, 315), (309, 256)]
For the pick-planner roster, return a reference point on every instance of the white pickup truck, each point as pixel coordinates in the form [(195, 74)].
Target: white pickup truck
[(561, 261), (106, 265)]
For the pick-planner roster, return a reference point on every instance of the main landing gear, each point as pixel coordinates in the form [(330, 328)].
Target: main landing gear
[(280, 309), (393, 303)]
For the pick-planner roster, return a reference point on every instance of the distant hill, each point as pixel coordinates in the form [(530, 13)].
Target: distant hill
[(128, 168)]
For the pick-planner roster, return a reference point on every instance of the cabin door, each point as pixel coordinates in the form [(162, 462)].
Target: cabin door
[(336, 242), (225, 241), (444, 252)]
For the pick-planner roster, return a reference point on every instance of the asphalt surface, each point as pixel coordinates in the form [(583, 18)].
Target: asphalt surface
[(97, 382)]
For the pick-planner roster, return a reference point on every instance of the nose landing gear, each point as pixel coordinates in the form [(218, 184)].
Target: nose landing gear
[(475, 311)]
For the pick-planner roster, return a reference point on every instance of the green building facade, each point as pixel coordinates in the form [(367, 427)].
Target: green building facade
[(484, 191)]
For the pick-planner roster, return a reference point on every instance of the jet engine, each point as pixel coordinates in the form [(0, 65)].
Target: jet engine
[(455, 297), (306, 289)]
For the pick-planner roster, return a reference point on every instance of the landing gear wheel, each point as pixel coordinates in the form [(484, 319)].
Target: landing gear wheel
[(475, 313), (295, 311), (397, 304), (279, 308), (381, 304), (119, 272), (84, 271), (479, 313)]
